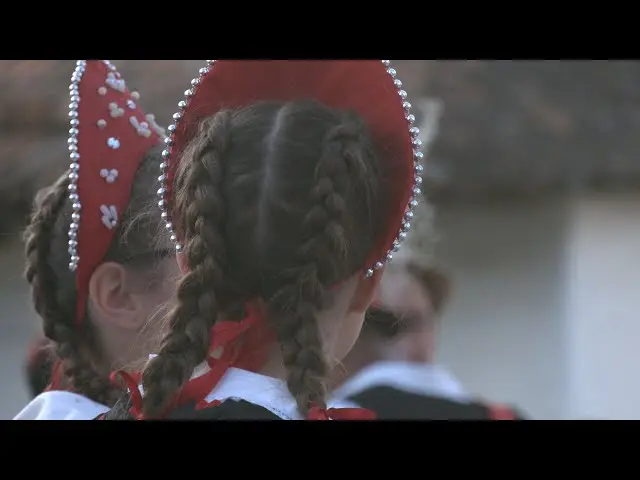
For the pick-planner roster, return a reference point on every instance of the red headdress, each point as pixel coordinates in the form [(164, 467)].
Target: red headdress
[(368, 87), (108, 138)]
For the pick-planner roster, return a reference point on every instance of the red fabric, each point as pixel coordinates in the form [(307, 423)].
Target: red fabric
[(134, 391), (363, 86), (94, 238), (501, 412), (316, 413)]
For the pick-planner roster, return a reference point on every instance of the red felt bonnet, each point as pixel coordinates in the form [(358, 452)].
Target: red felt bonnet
[(368, 87), (108, 139)]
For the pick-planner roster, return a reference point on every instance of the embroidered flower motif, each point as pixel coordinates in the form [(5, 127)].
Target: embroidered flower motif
[(152, 121), (115, 111), (109, 216), (115, 83), (142, 129), (102, 91), (113, 143), (109, 176)]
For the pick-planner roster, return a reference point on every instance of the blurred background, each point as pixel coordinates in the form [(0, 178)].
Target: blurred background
[(535, 172)]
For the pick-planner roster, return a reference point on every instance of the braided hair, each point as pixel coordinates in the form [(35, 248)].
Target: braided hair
[(275, 201), (53, 291)]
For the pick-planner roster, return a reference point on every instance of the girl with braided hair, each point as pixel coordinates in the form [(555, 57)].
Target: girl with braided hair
[(96, 278), (287, 185)]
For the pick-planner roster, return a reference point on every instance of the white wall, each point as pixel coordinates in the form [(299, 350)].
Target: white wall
[(504, 332), (603, 304)]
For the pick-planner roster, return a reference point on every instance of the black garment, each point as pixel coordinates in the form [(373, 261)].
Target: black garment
[(228, 410), (392, 404)]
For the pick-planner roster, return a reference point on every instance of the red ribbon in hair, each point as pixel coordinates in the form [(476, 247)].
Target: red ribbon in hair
[(244, 345)]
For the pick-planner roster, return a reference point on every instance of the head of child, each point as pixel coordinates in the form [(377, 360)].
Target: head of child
[(401, 324), (279, 203), (125, 287)]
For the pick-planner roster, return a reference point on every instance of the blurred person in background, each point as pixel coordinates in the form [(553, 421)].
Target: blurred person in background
[(96, 271), (391, 369)]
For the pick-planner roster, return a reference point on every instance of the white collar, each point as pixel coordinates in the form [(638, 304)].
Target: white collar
[(267, 392), (61, 406), (422, 379)]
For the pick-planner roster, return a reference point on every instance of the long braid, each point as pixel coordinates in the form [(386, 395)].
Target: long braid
[(294, 307), (200, 213), (71, 344)]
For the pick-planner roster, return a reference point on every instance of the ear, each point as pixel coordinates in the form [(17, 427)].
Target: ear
[(112, 302), (365, 292), (182, 263)]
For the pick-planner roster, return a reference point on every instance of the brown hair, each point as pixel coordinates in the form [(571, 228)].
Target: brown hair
[(434, 282), (53, 284), (275, 201)]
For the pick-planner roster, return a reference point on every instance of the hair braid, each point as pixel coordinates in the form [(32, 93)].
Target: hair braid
[(324, 237), (71, 344), (200, 209)]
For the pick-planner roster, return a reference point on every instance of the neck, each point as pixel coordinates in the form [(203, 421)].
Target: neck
[(274, 366)]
